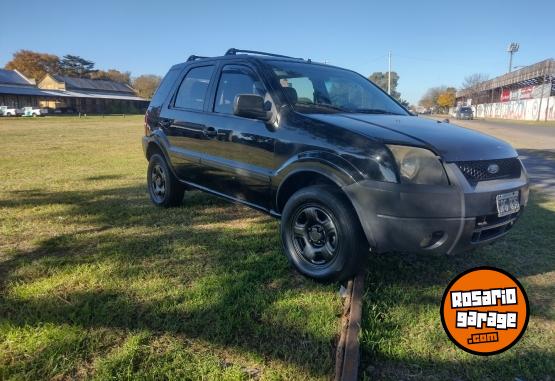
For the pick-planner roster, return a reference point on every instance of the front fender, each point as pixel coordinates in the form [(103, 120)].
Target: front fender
[(333, 167), (327, 164)]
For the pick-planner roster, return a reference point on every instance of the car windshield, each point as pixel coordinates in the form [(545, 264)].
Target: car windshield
[(314, 88)]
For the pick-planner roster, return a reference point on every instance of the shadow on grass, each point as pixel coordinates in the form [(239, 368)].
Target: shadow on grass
[(218, 268), (402, 337)]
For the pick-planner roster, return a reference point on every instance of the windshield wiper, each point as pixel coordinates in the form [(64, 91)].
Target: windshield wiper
[(374, 111), (330, 106), (322, 105)]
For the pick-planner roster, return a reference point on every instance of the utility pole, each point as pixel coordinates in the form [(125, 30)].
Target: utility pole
[(389, 73), (513, 48)]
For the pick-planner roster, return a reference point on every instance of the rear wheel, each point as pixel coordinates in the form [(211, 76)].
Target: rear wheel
[(164, 189), (321, 234)]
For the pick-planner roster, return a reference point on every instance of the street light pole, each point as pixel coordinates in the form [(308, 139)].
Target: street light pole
[(389, 74), (513, 48)]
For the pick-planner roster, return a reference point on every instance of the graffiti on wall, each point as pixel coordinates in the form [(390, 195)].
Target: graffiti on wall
[(527, 92), (522, 109)]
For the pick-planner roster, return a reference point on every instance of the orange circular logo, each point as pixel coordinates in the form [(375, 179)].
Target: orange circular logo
[(485, 310)]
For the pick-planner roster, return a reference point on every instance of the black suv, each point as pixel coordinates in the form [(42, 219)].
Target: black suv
[(341, 163)]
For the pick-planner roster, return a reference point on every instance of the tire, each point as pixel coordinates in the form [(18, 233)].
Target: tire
[(163, 188), (321, 234)]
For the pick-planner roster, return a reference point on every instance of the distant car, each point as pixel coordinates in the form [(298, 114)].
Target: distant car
[(31, 111), (464, 113), (8, 111)]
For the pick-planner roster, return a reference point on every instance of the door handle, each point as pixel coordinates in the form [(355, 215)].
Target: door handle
[(210, 132), (165, 123)]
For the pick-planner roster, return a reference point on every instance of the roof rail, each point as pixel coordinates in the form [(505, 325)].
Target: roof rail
[(233, 51), (194, 58)]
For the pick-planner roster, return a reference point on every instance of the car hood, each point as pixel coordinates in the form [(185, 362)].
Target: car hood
[(452, 143)]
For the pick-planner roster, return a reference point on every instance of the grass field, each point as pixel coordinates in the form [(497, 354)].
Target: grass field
[(402, 337), (95, 283)]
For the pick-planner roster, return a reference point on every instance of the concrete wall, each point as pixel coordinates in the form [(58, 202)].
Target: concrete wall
[(523, 109)]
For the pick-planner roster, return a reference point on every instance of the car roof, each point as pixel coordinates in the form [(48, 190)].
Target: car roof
[(251, 57)]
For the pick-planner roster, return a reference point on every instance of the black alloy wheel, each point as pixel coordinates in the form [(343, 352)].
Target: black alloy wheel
[(164, 189), (314, 234), (321, 234)]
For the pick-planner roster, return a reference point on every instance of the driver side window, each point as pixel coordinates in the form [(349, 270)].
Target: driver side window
[(235, 80)]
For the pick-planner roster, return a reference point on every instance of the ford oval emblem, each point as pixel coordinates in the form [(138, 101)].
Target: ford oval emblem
[(493, 169)]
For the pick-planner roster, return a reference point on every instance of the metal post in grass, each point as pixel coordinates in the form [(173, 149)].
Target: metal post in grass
[(347, 357)]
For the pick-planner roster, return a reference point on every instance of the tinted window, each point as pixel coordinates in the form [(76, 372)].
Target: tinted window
[(315, 88), (193, 88), (303, 86), (236, 79), (165, 86)]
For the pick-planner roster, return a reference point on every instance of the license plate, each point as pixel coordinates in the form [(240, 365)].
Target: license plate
[(507, 203)]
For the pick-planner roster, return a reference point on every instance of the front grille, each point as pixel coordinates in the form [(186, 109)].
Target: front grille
[(476, 171)]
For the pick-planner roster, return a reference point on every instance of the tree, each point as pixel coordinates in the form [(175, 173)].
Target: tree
[(380, 79), (34, 65), (75, 66), (429, 99), (405, 103), (446, 98), (145, 85), (112, 75), (472, 81), (471, 84), (439, 97)]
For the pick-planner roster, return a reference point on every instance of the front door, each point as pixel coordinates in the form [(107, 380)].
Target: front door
[(241, 156)]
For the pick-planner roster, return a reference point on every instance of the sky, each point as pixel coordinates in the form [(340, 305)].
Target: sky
[(432, 43)]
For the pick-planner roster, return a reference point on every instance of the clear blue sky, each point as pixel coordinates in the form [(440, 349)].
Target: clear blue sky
[(432, 43)]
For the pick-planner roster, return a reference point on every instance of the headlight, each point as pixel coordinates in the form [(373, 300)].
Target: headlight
[(418, 166)]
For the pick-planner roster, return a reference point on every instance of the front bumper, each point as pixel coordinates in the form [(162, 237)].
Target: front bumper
[(427, 218)]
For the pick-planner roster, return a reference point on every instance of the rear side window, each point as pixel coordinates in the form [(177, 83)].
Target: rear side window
[(163, 89), (193, 88), (236, 79)]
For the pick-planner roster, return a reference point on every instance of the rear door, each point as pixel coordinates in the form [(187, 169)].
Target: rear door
[(185, 121), (240, 157)]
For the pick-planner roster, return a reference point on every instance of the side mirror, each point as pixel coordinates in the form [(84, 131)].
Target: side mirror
[(250, 106)]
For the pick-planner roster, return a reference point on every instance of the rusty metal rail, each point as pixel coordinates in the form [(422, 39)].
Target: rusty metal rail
[(347, 355)]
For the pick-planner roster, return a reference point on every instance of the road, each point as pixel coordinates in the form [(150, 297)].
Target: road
[(535, 145)]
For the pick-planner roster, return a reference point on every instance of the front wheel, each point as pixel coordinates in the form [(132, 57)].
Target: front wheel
[(321, 234), (164, 189)]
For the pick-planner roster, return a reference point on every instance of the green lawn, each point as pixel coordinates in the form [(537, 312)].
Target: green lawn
[(402, 337), (97, 283)]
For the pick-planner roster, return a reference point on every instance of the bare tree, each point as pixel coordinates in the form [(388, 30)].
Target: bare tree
[(471, 84)]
